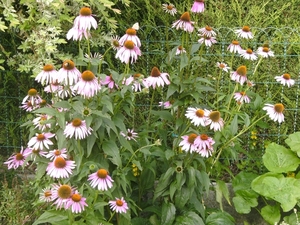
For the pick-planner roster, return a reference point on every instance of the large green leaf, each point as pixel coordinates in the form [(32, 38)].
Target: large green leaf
[(168, 213), (220, 218), (243, 181), (293, 141), (53, 217), (278, 159), (244, 200), (111, 149), (189, 218), (284, 190), (271, 213)]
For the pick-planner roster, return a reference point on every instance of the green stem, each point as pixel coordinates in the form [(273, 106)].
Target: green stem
[(134, 154), (112, 215), (150, 109)]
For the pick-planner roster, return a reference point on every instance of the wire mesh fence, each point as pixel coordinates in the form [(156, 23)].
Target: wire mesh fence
[(156, 42)]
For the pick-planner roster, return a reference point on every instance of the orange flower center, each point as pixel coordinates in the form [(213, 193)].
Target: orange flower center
[(87, 75), (215, 116), (57, 152), (203, 137), (242, 70), (68, 64), (192, 138), (40, 137), (279, 108), (180, 47), (235, 43), (32, 92), (119, 202), (286, 76), (60, 162), (116, 43), (129, 44), (185, 17), (19, 156), (136, 76), (102, 173), (246, 28), (266, 49), (85, 11), (249, 51), (155, 72), (222, 65), (170, 7), (208, 28), (243, 93), (35, 151), (64, 191), (48, 67), (76, 197), (131, 31), (47, 194), (200, 113), (76, 122)]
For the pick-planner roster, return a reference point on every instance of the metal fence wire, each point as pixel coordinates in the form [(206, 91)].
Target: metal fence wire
[(156, 42)]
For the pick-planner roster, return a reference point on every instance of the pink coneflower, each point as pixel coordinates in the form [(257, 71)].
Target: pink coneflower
[(115, 42), (240, 75), (77, 34), (180, 50), (265, 52), (204, 145), (165, 105), (60, 168), (241, 97), (223, 66), (127, 51), (285, 79), (39, 141), (46, 195), (208, 41), (110, 82), (88, 85), (244, 32), (207, 31), (53, 87), (234, 47), (184, 23), (78, 129), (41, 122), (28, 107), (33, 97), (101, 179), (157, 79), (53, 154), (198, 6), (198, 116), (48, 75), (76, 202), (215, 121), (188, 143), (248, 54), (85, 21), (129, 135), (130, 35), (275, 112), (17, 159), (169, 8), (68, 74), (137, 81), (119, 206), (36, 153), (60, 194)]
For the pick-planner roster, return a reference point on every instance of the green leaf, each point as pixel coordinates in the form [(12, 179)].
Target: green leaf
[(284, 190), (278, 159), (190, 218), (46, 110), (191, 177), (243, 181), (234, 125), (194, 48), (293, 141), (222, 190), (52, 217), (244, 200), (220, 218), (62, 104), (91, 139), (172, 88), (184, 61), (182, 196), (168, 213), (111, 149), (166, 115), (271, 214), (163, 183)]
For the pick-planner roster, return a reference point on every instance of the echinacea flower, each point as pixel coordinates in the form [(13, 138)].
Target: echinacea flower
[(78, 129), (198, 6), (265, 52), (130, 35), (115, 42), (53, 154), (88, 85), (60, 168), (215, 121), (157, 79), (208, 41), (119, 206), (207, 31), (240, 75), (76, 202), (85, 20), (77, 34), (165, 105), (129, 135), (17, 159), (41, 122), (127, 51), (169, 8), (28, 107), (33, 97), (198, 116), (180, 50), (234, 47), (137, 81), (53, 87), (248, 54), (204, 145), (68, 74), (47, 75), (223, 66), (275, 112), (60, 194), (184, 23), (188, 142), (101, 180), (110, 82), (244, 32), (46, 195), (36, 153), (241, 97), (285, 79), (39, 141)]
